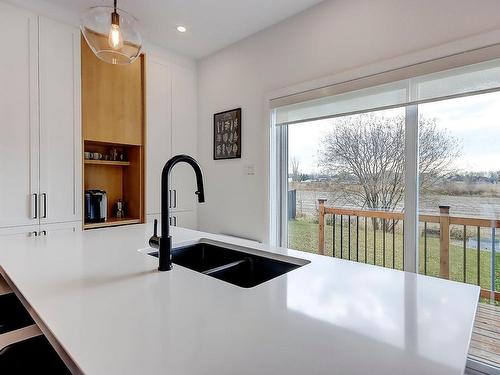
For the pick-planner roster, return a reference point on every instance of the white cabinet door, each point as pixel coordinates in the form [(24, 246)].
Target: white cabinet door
[(152, 218), (184, 219), (18, 117), (41, 230), (159, 125), (184, 135), (54, 229), (60, 129), (26, 231)]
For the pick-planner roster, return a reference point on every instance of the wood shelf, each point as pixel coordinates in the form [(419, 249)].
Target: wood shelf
[(109, 143), (107, 162), (113, 222)]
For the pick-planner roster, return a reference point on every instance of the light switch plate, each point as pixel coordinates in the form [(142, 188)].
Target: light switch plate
[(249, 169)]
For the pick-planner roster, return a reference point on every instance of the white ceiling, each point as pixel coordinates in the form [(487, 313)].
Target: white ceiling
[(212, 24)]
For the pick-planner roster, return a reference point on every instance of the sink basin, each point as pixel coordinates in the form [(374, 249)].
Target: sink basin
[(202, 257), (237, 267)]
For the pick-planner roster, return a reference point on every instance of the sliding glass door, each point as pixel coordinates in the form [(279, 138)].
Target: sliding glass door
[(461, 205), (403, 175)]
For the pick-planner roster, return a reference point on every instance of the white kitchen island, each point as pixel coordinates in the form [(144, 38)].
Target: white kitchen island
[(112, 312)]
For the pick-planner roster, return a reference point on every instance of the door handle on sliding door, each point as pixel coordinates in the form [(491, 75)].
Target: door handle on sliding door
[(44, 201), (34, 206)]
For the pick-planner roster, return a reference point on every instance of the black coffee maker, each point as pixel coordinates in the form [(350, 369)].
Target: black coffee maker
[(96, 205)]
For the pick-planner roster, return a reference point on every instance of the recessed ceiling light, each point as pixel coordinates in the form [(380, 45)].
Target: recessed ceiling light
[(181, 29)]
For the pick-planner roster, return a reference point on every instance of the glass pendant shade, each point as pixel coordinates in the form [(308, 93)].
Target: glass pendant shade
[(112, 34)]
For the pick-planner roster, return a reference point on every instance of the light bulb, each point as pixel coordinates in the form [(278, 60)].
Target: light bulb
[(115, 38)]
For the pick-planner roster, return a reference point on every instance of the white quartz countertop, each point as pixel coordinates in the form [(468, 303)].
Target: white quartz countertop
[(114, 313)]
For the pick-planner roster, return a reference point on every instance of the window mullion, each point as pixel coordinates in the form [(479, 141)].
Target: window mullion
[(283, 185), (411, 190)]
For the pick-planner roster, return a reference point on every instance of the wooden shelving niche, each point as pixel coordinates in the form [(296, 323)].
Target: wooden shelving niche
[(113, 136)]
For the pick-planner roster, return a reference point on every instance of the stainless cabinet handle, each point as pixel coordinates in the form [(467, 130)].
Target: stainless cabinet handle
[(34, 206), (175, 221), (175, 198), (170, 199), (44, 232), (33, 234), (44, 196)]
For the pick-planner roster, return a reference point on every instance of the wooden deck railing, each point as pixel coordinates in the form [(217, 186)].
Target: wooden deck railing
[(388, 222)]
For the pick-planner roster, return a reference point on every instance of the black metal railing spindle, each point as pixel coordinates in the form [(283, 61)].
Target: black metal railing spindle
[(383, 242), (349, 238), (357, 238), (425, 247), (366, 240), (341, 236), (478, 256), (393, 244), (465, 253), (403, 255), (333, 235)]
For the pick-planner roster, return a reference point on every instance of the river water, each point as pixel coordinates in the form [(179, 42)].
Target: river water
[(466, 206)]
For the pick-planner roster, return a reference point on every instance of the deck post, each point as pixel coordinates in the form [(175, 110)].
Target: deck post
[(493, 266), (321, 237), (444, 242)]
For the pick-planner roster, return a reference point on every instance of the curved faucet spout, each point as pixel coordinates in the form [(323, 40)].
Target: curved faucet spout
[(165, 174), (164, 243)]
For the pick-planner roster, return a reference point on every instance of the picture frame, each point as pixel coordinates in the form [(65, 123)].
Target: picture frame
[(227, 135)]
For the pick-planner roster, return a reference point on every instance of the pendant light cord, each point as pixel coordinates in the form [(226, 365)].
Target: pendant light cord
[(115, 4)]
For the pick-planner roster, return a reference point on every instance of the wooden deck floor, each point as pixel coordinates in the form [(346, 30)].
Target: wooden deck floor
[(485, 343)]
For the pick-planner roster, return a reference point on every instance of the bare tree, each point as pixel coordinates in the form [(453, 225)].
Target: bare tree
[(295, 169), (366, 154)]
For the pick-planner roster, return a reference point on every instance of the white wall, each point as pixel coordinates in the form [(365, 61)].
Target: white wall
[(334, 37)]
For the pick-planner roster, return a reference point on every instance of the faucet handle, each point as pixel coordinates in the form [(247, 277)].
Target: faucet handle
[(154, 241)]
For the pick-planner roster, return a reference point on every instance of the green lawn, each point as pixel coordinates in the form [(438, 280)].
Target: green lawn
[(303, 235)]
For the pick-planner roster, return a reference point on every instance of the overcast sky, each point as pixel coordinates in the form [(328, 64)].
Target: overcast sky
[(474, 120)]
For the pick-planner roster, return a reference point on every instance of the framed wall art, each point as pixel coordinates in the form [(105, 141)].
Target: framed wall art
[(227, 134)]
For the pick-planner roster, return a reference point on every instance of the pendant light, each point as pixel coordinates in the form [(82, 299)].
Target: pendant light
[(112, 34)]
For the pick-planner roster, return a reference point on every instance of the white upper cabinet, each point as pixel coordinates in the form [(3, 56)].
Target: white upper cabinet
[(171, 130), (60, 125), (184, 109), (159, 128), (184, 139), (40, 136), (19, 129)]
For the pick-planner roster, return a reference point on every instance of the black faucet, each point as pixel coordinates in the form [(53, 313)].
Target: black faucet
[(164, 243)]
